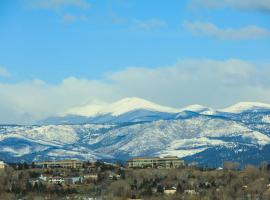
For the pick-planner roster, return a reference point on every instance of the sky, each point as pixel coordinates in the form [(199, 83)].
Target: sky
[(57, 54)]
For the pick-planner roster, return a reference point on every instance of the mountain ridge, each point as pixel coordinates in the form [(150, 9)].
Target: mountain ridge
[(195, 136), (135, 109)]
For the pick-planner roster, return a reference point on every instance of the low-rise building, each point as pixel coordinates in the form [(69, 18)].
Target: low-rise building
[(44, 177), (114, 176), (71, 164), (56, 180), (93, 177), (74, 180), (156, 162), (170, 191), (2, 165)]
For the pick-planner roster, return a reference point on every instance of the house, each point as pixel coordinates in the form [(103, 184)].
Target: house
[(170, 191), (2, 165), (93, 177), (114, 176), (245, 187), (56, 180), (43, 177), (74, 180), (156, 162), (69, 164)]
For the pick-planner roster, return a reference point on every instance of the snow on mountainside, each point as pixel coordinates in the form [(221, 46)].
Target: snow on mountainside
[(130, 110), (156, 137), (135, 127), (199, 109), (51, 141), (181, 137), (246, 106), (195, 108), (118, 108)]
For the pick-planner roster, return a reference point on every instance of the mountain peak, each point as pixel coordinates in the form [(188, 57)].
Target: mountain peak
[(119, 107), (199, 109), (132, 100), (195, 108), (246, 106)]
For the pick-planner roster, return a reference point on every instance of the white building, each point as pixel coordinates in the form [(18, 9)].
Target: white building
[(91, 177), (170, 191), (56, 180), (2, 165)]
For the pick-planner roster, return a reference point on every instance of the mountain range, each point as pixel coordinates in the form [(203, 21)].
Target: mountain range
[(135, 127)]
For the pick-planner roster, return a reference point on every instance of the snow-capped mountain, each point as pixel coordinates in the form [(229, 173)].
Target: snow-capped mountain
[(136, 127), (246, 106), (199, 109), (140, 110), (118, 108), (125, 110), (195, 108)]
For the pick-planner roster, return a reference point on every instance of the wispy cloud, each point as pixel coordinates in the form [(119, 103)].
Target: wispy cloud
[(4, 72), (58, 4), (250, 5), (149, 24), (210, 29)]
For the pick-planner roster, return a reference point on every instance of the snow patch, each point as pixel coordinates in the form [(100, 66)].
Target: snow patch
[(266, 119), (118, 108), (246, 106)]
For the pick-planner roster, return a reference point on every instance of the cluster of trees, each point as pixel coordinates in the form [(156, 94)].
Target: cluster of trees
[(193, 183), (15, 184)]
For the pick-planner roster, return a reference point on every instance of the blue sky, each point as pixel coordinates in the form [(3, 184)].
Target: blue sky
[(46, 45)]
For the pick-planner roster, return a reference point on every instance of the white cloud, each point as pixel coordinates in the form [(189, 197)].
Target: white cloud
[(209, 82), (252, 5), (210, 29), (57, 4), (4, 72), (35, 99), (149, 25)]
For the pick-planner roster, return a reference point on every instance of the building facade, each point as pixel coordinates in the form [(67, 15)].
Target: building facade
[(56, 180), (70, 164), (2, 165), (156, 162)]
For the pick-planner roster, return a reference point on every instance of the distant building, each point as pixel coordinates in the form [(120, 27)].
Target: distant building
[(70, 164), (74, 180), (114, 176), (170, 191), (56, 180), (93, 177), (156, 162), (2, 165), (44, 177)]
